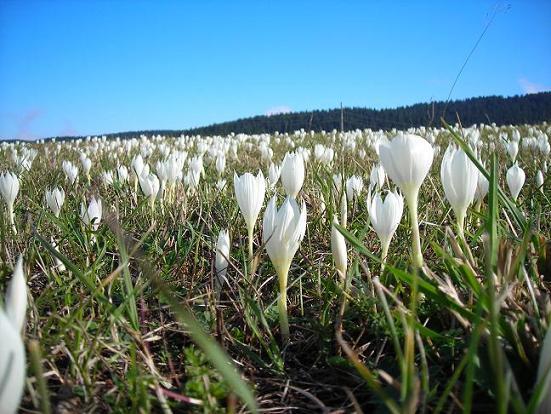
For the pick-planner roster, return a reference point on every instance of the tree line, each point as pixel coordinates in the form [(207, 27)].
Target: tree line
[(520, 109)]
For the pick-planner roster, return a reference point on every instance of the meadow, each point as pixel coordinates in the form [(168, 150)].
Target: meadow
[(360, 271)]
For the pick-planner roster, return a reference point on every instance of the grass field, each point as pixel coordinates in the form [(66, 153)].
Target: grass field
[(129, 312)]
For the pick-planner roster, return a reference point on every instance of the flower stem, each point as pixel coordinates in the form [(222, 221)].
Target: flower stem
[(250, 240), (461, 225), (282, 305), (384, 254), (12, 219), (417, 255)]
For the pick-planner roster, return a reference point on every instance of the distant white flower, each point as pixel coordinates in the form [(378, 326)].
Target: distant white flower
[(55, 199), (515, 180), (150, 186), (122, 172), (482, 186), (338, 250), (71, 171), (221, 184), (137, 165), (354, 186), (9, 188), (539, 180), (222, 256), (220, 163), (107, 178), (377, 177), (292, 173), (274, 172), (91, 216), (385, 217)]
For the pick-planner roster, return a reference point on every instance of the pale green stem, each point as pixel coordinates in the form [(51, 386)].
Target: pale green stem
[(461, 224), (250, 240), (136, 188), (282, 303), (417, 255), (385, 245), (12, 219), (152, 204)]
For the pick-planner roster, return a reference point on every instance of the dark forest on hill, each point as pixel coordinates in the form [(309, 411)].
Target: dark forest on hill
[(521, 109)]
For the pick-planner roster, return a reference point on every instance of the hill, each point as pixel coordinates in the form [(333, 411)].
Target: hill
[(519, 109)]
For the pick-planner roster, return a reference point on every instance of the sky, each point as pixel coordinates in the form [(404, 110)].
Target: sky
[(93, 67)]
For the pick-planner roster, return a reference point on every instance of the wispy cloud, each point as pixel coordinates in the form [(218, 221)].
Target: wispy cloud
[(532, 87), (24, 123), (281, 109)]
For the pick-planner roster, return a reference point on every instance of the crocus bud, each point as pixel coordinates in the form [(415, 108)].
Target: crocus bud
[(539, 180), (515, 180), (137, 165), (459, 178), (482, 186), (385, 217), (354, 186), (292, 173), (377, 177), (86, 166), (249, 192), (274, 172), (55, 199), (150, 186), (221, 184), (338, 249), (512, 150), (9, 188), (71, 171), (122, 173), (220, 164), (16, 297), (91, 216), (222, 256)]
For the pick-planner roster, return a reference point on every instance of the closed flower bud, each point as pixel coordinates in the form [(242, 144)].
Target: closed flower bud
[(9, 188), (249, 192), (91, 216), (338, 249), (459, 178), (385, 217), (292, 173), (55, 199), (222, 257), (515, 180), (16, 297)]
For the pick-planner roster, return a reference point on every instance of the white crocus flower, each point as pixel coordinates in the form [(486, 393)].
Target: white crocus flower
[(55, 199), (407, 160), (459, 178), (515, 180), (249, 192), (283, 231), (385, 217), (292, 173), (9, 188)]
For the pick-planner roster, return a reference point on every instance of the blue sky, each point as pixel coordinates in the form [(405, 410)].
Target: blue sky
[(91, 67)]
